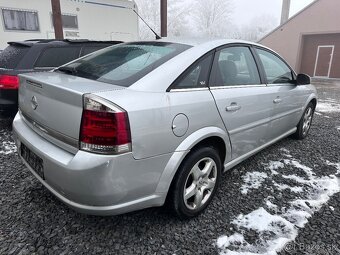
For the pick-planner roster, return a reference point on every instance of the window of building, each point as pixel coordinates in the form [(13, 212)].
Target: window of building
[(54, 57), (20, 20), (69, 21)]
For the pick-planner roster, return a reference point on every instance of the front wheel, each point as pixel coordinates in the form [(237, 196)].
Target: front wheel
[(305, 123), (196, 182)]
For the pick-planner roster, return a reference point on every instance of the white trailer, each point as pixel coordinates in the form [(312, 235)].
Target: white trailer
[(100, 20)]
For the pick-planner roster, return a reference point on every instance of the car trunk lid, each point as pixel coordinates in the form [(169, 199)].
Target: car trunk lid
[(53, 102)]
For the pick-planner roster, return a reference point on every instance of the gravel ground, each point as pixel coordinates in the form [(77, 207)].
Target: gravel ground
[(32, 221)]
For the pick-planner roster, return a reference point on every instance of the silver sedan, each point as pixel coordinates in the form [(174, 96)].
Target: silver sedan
[(143, 123)]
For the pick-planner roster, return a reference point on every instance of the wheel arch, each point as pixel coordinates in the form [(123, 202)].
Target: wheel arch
[(214, 136)]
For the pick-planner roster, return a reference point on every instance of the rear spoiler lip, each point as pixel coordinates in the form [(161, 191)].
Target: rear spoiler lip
[(25, 44), (31, 42)]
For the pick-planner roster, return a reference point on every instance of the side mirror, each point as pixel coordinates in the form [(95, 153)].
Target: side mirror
[(303, 79)]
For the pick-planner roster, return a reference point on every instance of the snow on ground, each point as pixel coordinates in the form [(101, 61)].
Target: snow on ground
[(276, 226), (8, 147), (253, 180), (328, 106)]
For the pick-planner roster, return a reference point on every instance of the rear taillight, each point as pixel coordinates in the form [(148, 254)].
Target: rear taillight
[(9, 82), (104, 127)]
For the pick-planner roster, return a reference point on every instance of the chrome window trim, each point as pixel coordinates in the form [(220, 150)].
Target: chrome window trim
[(238, 86), (51, 132), (280, 84), (189, 89)]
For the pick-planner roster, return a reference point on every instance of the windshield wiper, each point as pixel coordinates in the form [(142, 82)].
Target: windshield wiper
[(67, 70)]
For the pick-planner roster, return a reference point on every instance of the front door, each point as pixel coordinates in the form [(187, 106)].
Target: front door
[(242, 101), (323, 61), (286, 97)]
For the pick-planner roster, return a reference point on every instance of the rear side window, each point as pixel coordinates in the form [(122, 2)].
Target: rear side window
[(276, 71), (54, 57), (235, 66), (11, 56), (196, 76), (90, 49), (124, 64)]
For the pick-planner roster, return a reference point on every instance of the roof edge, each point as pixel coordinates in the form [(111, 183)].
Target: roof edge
[(290, 19)]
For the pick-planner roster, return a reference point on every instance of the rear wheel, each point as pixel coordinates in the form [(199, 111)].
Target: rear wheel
[(196, 182), (305, 123)]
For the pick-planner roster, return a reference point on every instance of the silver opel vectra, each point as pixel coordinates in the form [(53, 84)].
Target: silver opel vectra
[(138, 124)]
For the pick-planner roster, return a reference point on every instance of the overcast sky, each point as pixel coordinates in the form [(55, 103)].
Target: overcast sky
[(245, 10)]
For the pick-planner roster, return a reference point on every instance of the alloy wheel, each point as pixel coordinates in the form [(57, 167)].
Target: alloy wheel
[(307, 120), (200, 183)]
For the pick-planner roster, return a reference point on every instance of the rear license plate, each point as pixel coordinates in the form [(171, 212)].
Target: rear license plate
[(33, 160)]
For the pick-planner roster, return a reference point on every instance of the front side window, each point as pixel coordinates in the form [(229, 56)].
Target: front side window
[(124, 64), (235, 66), (54, 57), (20, 20), (196, 76), (276, 71)]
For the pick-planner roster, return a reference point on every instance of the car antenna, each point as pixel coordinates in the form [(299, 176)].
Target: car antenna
[(153, 31)]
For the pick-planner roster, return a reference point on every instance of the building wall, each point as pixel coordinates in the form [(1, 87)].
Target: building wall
[(97, 20), (321, 17)]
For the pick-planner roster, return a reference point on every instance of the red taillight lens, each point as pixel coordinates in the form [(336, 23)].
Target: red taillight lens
[(9, 82), (104, 129)]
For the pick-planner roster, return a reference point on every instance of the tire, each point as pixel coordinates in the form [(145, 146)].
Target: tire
[(200, 184), (305, 123)]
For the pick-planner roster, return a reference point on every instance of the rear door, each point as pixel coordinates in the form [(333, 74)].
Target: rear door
[(241, 98), (285, 95)]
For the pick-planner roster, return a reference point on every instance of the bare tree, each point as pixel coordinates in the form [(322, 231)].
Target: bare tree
[(212, 17), (256, 29), (177, 17)]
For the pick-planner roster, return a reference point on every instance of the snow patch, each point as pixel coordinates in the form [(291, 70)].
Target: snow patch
[(281, 186), (253, 180), (279, 225), (336, 165), (328, 106), (273, 166), (8, 147)]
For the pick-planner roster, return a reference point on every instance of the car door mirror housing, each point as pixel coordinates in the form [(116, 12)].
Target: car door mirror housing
[(303, 79)]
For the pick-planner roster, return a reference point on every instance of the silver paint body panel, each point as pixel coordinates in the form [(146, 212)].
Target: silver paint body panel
[(107, 185)]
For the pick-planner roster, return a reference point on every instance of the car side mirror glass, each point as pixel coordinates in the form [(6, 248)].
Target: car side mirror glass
[(303, 79)]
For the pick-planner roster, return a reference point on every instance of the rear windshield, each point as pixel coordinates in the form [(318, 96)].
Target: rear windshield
[(124, 64), (11, 56)]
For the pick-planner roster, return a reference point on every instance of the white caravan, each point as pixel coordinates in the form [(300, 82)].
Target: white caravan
[(101, 20)]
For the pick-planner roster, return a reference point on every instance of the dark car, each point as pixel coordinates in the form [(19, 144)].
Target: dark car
[(36, 56)]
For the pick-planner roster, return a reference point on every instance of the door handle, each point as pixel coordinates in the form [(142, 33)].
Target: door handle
[(277, 100), (233, 107)]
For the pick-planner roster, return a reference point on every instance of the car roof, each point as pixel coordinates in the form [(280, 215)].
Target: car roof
[(204, 41), (31, 42)]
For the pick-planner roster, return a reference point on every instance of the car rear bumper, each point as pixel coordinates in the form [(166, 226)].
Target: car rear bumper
[(91, 183)]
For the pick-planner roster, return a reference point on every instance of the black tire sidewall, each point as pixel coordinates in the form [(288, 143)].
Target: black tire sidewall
[(183, 172)]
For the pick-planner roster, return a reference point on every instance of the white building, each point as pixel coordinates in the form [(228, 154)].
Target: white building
[(82, 19)]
